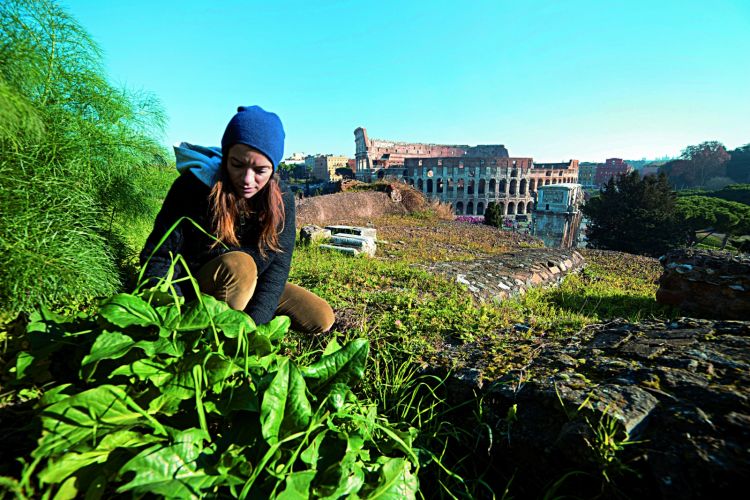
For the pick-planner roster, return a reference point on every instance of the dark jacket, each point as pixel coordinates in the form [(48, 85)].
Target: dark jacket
[(188, 197)]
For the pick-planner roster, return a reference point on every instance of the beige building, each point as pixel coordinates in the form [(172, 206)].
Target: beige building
[(324, 167)]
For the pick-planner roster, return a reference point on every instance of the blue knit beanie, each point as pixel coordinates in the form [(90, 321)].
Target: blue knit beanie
[(257, 128)]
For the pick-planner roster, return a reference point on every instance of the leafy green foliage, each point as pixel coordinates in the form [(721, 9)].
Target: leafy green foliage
[(74, 154), (634, 215), (185, 401), (697, 165)]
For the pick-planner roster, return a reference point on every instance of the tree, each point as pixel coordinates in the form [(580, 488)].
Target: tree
[(713, 215), (74, 151), (493, 214), (698, 164), (738, 166), (634, 215)]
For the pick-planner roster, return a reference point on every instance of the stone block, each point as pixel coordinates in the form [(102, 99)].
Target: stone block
[(313, 234), (355, 230)]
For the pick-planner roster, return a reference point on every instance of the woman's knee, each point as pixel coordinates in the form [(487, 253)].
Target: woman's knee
[(308, 312)]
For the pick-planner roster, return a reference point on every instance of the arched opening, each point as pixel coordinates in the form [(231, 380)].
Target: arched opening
[(503, 187), (420, 185), (411, 181), (520, 207), (480, 208), (439, 183), (522, 187), (451, 186), (471, 187), (514, 173), (460, 186), (493, 186), (481, 186), (470, 208), (429, 185), (460, 208), (513, 187), (532, 185), (511, 208)]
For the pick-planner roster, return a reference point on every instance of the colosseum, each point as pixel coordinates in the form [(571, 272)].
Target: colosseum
[(469, 184), (467, 177)]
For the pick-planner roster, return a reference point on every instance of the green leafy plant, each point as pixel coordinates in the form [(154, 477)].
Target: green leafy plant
[(187, 400)]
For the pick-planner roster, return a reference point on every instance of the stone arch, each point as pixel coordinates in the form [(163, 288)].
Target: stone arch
[(420, 185), (429, 186), (493, 186), (482, 185), (503, 188), (513, 187), (470, 208), (522, 187), (480, 208), (532, 185), (460, 186), (511, 208), (471, 186), (411, 181), (460, 208), (439, 185), (520, 207)]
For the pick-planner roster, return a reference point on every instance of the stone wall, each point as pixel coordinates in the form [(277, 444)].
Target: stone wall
[(502, 276), (707, 284)]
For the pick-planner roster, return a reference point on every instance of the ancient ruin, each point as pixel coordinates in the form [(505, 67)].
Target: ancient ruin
[(708, 284), (557, 218)]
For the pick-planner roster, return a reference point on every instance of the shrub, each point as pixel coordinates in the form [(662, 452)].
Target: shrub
[(73, 150)]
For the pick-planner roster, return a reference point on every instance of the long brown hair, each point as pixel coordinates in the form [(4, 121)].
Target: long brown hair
[(227, 208)]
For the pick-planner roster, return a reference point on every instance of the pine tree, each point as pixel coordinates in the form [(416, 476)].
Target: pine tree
[(634, 215)]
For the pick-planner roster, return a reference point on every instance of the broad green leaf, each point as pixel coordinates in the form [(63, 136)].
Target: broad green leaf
[(311, 454), (59, 469), (161, 346), (191, 317), (218, 369), (126, 310), (108, 345), (297, 486), (233, 323), (276, 328), (337, 395), (396, 481), (285, 406), (333, 346), (67, 490), (348, 475), (144, 369), (76, 422), (344, 366), (260, 344), (23, 361), (173, 471)]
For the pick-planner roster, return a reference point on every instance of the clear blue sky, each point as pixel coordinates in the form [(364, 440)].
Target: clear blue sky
[(549, 79)]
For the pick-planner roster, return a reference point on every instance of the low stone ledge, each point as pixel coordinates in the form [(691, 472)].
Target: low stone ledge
[(706, 283), (681, 390), (500, 277)]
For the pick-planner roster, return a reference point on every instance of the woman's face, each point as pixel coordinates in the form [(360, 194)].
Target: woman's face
[(249, 170)]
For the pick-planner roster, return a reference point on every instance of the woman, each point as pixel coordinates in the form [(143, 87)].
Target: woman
[(233, 195)]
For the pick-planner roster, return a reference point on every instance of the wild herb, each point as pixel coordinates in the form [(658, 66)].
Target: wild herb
[(188, 400)]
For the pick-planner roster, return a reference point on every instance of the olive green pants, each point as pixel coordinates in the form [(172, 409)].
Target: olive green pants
[(232, 277)]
